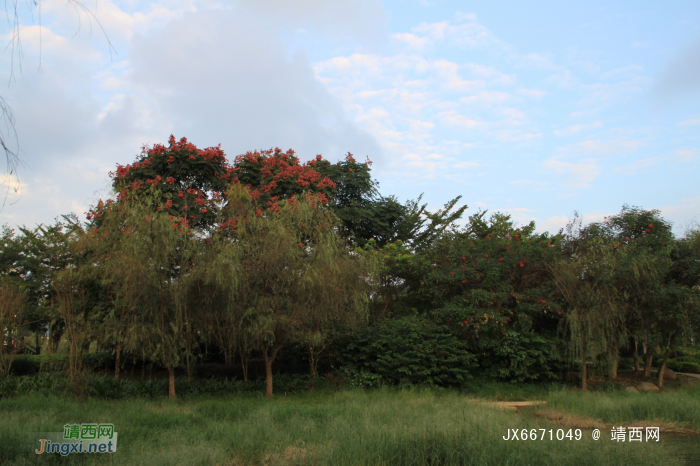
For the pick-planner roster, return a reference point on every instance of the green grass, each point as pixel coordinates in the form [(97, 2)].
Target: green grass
[(410, 427), (680, 406)]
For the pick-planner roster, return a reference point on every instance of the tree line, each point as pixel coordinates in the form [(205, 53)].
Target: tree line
[(197, 255)]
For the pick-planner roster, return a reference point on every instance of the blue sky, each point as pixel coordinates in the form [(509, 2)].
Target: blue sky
[(536, 108)]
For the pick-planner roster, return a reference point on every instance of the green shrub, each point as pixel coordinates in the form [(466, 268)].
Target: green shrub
[(410, 350), (109, 388), (53, 362), (27, 364), (684, 364), (24, 365)]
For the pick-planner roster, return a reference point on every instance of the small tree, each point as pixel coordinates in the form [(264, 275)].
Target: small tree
[(149, 259), (12, 303), (297, 276)]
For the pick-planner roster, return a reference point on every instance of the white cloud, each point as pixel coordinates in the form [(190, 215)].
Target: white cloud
[(455, 119), (685, 155), (582, 173), (619, 146), (532, 93), (573, 129), (512, 135), (694, 122), (638, 165), (465, 165), (413, 41), (534, 60), (564, 79), (487, 98)]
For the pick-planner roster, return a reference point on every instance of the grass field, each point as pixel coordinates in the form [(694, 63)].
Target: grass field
[(380, 427), (678, 407)]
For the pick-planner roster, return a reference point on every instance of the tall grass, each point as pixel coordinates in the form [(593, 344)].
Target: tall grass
[(619, 407), (381, 427)]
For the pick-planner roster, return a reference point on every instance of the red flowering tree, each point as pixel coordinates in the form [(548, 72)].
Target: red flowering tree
[(190, 181), (496, 290), (274, 177)]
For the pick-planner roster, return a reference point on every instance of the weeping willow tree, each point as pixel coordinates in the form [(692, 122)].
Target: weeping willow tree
[(584, 280), (12, 308), (71, 299), (297, 276), (149, 260)]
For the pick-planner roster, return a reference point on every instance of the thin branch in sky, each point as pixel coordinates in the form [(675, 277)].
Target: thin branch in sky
[(12, 156)]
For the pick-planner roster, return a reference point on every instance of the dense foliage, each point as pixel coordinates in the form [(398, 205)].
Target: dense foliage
[(197, 258)]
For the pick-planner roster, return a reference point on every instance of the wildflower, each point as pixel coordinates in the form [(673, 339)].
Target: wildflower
[(500, 260), (647, 230), (521, 265)]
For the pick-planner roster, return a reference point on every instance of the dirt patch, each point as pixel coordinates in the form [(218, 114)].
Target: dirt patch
[(508, 405), (576, 422), (291, 456)]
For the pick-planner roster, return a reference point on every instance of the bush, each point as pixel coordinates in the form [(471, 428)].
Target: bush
[(410, 350), (27, 364), (108, 388), (684, 364)]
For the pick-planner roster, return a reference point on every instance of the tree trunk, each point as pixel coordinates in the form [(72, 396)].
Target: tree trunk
[(615, 357), (268, 369), (662, 369), (584, 371), (313, 360), (636, 356), (48, 341), (244, 366), (117, 366), (647, 366), (171, 382)]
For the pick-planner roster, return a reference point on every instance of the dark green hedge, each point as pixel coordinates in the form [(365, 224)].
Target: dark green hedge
[(31, 364)]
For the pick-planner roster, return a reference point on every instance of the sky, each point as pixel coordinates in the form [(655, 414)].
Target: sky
[(537, 109)]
